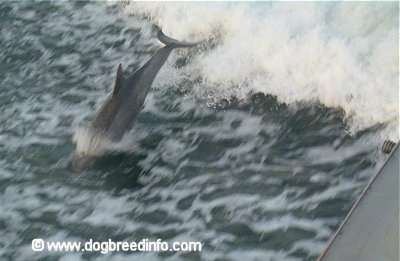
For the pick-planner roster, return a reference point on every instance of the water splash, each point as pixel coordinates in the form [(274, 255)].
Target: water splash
[(338, 54)]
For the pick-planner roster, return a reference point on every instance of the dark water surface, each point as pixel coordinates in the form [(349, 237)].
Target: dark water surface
[(252, 180)]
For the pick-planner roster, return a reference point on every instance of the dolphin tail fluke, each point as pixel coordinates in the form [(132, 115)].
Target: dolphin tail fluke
[(168, 41)]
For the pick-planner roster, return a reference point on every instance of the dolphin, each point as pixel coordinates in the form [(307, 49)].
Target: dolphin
[(118, 113)]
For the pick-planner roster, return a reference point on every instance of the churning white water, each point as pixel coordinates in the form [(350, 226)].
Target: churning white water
[(340, 54)]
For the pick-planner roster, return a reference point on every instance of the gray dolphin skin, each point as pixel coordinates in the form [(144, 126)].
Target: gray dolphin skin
[(120, 110)]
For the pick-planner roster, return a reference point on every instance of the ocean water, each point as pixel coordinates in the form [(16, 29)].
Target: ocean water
[(255, 143)]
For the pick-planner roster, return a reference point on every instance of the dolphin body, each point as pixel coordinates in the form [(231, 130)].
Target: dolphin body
[(120, 110)]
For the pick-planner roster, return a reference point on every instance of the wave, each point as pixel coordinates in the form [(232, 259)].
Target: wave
[(338, 54)]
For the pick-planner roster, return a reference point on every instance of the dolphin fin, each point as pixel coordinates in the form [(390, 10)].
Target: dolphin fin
[(168, 41), (119, 80)]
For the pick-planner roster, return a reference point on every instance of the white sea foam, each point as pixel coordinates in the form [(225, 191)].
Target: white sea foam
[(338, 54), (88, 143)]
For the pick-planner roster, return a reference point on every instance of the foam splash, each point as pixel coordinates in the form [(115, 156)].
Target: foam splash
[(338, 54), (90, 144)]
